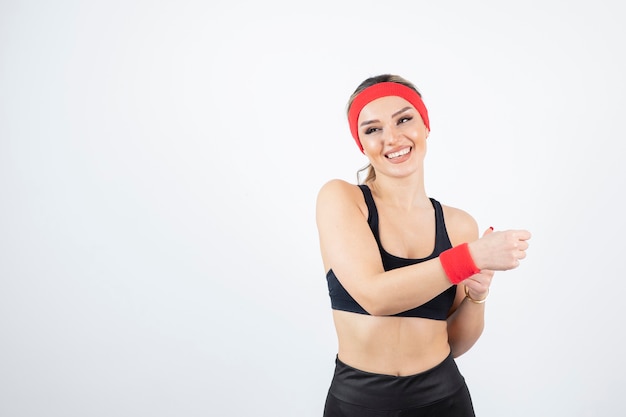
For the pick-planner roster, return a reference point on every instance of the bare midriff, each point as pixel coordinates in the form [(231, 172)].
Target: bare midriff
[(397, 346)]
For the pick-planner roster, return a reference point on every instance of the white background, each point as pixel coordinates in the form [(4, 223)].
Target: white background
[(159, 164)]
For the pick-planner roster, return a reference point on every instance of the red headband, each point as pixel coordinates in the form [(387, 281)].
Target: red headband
[(383, 90)]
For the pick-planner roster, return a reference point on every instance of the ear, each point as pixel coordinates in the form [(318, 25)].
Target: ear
[(427, 132)]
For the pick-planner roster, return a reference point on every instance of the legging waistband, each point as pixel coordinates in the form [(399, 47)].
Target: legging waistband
[(373, 390)]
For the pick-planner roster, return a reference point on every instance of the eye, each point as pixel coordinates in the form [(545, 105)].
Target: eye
[(405, 119), (370, 130)]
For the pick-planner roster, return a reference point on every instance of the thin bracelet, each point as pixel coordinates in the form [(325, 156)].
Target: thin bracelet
[(471, 299)]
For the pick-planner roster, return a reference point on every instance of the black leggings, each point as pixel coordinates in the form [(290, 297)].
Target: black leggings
[(440, 391)]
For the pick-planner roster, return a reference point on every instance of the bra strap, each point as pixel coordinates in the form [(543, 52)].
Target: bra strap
[(442, 240), (372, 212)]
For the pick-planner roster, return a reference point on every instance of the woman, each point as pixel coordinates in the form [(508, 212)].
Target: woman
[(407, 276)]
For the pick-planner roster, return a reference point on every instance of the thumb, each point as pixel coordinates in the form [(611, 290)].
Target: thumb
[(488, 231)]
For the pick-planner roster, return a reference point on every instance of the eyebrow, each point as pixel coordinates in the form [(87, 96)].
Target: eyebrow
[(369, 122)]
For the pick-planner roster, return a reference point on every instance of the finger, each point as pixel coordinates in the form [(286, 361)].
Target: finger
[(482, 279), (488, 272), (522, 234), (488, 231), (479, 291)]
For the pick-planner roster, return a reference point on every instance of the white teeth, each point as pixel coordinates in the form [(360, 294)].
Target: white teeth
[(399, 153)]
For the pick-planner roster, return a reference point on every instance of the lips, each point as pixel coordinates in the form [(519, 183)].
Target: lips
[(399, 153)]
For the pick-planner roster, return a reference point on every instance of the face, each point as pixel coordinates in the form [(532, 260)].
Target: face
[(393, 136)]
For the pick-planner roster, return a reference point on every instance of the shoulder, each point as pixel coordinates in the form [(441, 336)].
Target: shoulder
[(461, 226), (338, 190), (339, 195)]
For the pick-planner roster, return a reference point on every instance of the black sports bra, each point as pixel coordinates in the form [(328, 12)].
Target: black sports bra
[(437, 308)]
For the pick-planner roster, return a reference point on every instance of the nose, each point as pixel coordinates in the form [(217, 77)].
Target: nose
[(391, 134)]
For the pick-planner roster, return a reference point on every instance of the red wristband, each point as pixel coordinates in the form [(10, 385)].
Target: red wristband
[(458, 263)]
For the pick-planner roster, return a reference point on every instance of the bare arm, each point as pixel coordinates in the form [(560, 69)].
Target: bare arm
[(350, 250), (467, 321)]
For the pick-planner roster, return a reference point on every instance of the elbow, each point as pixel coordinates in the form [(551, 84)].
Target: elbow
[(463, 345), (375, 307), (457, 351), (376, 301), (371, 304), (377, 311)]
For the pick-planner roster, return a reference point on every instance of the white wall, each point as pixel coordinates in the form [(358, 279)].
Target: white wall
[(159, 164)]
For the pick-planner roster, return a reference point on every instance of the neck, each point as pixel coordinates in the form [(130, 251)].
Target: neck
[(405, 193)]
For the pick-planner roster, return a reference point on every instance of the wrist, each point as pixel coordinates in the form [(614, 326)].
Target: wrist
[(474, 253), (458, 264), (480, 300)]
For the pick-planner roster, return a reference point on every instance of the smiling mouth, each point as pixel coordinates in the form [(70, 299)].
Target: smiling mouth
[(398, 153)]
